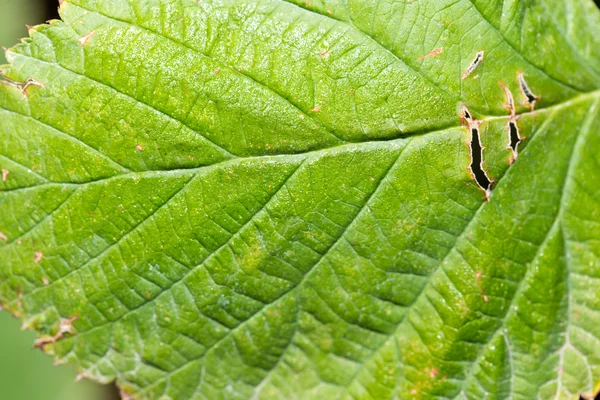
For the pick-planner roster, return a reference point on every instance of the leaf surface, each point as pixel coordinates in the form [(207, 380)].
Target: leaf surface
[(264, 199)]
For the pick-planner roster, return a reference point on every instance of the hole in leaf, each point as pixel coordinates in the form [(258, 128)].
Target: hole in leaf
[(476, 161), (527, 93), (478, 58), (515, 138), (467, 115)]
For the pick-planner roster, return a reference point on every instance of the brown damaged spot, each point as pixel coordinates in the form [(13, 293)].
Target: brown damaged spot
[(5, 174), (37, 257), (530, 98), (478, 276), (22, 86), (3, 237), (433, 372), (432, 53), (28, 83), (509, 103), (65, 326), (466, 118), (476, 61), (83, 40)]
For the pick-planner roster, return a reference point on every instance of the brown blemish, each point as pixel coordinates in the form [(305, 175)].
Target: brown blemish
[(5, 174), (30, 82), (530, 98), (3, 237), (433, 372), (37, 257), (21, 86), (139, 147), (466, 118), (509, 103), (478, 275), (324, 54), (83, 40), (432, 53), (45, 281), (476, 61), (65, 326), (315, 109)]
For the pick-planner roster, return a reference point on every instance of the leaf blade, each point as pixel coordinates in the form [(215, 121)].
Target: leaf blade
[(345, 246)]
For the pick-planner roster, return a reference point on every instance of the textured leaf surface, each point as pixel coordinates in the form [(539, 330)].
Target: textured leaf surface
[(263, 199)]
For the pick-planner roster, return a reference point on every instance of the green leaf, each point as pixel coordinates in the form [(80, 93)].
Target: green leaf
[(262, 199)]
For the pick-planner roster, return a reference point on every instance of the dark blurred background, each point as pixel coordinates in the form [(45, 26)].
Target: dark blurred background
[(25, 373)]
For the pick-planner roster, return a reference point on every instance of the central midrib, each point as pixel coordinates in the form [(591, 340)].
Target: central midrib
[(269, 157)]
